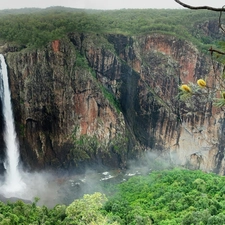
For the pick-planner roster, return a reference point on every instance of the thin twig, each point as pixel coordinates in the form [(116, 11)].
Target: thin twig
[(218, 79), (220, 24), (217, 51)]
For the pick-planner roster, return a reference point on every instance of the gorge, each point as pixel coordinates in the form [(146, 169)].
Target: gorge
[(111, 117), (117, 94), (101, 100)]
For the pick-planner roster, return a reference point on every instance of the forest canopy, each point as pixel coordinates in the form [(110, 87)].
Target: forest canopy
[(167, 197), (36, 27)]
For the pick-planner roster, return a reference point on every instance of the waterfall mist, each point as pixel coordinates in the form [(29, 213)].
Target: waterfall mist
[(54, 188), (17, 183)]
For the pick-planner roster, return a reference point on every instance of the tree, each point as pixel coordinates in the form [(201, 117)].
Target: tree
[(87, 210)]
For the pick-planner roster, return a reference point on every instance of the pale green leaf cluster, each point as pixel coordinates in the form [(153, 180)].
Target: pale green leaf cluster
[(87, 210), (220, 102)]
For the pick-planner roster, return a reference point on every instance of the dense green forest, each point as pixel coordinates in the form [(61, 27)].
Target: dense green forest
[(36, 27), (166, 197)]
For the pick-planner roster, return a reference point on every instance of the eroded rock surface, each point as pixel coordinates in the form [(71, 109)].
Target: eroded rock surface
[(118, 90)]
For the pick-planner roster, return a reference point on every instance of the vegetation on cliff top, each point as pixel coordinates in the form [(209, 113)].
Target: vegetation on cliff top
[(36, 27), (166, 197)]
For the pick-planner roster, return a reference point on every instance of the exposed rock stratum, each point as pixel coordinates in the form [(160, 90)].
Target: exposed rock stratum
[(101, 100)]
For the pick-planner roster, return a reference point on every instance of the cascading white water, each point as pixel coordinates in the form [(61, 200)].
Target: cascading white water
[(17, 182), (13, 181)]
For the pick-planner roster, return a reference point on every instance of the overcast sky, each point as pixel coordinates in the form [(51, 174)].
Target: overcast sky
[(105, 4)]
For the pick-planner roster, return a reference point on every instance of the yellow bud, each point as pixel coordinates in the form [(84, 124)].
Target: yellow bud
[(201, 83), (223, 95), (185, 87)]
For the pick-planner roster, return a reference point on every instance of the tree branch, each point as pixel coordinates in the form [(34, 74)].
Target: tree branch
[(217, 51), (200, 7), (220, 24)]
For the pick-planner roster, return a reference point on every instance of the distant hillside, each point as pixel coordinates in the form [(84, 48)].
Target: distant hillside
[(36, 27)]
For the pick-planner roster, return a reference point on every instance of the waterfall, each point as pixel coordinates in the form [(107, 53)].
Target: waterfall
[(13, 180)]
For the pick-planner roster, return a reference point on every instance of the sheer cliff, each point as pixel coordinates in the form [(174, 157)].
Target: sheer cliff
[(92, 99)]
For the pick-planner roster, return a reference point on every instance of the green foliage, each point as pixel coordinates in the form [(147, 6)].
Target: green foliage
[(35, 28), (220, 102), (83, 147), (169, 197), (81, 61), (111, 98), (21, 213), (86, 210)]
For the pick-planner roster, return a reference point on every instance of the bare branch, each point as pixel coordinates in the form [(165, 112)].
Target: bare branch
[(220, 24), (200, 7), (217, 51)]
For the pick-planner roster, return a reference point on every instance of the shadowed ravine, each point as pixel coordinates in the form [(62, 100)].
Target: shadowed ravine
[(51, 189)]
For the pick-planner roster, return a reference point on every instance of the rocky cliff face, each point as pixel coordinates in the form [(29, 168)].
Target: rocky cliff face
[(94, 99)]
